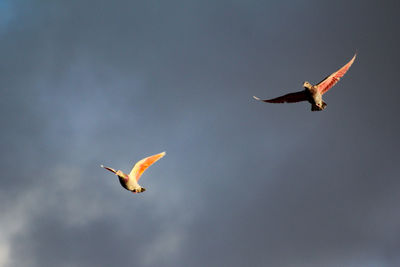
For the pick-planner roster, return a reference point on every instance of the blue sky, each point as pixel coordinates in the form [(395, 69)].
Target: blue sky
[(243, 183), (7, 13)]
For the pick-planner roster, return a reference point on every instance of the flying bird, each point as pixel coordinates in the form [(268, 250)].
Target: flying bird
[(130, 181), (313, 93)]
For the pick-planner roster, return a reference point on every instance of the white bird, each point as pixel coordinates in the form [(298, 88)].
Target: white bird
[(130, 181)]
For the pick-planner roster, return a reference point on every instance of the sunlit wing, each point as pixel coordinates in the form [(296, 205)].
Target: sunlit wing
[(107, 168), (288, 98), (332, 79), (143, 164)]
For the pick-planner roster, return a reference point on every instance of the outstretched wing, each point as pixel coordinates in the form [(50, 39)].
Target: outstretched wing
[(107, 168), (143, 164), (332, 79), (288, 98)]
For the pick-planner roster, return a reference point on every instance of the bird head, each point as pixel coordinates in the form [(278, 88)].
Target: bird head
[(307, 85), (119, 173)]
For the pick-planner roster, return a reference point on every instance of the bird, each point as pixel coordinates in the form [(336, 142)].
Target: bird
[(313, 93), (130, 181)]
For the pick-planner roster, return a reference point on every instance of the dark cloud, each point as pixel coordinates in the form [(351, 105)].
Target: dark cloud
[(243, 183)]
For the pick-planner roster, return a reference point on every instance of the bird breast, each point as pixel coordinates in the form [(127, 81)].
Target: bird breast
[(315, 95), (132, 184)]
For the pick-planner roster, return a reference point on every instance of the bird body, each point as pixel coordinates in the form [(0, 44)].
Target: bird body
[(130, 181), (314, 97), (313, 93)]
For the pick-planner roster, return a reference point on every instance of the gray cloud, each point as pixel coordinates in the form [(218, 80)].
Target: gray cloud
[(243, 183)]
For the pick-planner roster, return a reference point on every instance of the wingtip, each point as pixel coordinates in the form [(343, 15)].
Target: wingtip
[(163, 153), (256, 98), (354, 57)]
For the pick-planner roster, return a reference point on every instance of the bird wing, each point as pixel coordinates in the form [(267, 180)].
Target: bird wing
[(288, 98), (107, 168), (327, 83), (143, 164)]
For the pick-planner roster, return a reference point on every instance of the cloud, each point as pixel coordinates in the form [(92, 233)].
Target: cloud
[(243, 183)]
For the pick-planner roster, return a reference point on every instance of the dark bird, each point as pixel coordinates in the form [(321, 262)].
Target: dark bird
[(313, 93), (130, 181)]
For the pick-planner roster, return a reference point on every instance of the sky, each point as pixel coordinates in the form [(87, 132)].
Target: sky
[(243, 183)]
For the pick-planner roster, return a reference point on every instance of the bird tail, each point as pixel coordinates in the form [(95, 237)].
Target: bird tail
[(315, 108), (141, 190)]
